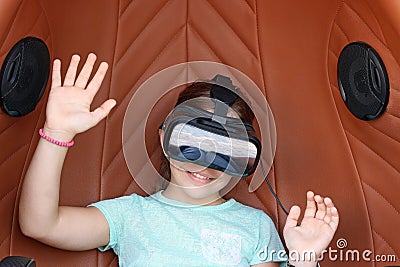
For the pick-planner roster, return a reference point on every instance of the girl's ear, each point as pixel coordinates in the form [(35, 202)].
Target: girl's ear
[(161, 134)]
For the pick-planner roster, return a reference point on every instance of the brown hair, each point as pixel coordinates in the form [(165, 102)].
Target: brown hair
[(202, 89)]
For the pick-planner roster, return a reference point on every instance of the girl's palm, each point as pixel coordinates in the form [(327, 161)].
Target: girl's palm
[(317, 228), (68, 108)]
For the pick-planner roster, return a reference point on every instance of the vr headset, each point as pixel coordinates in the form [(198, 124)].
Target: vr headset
[(212, 139)]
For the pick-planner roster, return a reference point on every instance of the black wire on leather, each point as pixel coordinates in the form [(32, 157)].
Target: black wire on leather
[(275, 195), (271, 189)]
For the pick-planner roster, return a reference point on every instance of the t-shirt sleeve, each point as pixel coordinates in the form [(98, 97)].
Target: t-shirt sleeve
[(269, 247), (115, 211)]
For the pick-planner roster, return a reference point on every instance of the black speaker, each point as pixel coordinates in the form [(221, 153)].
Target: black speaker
[(363, 81), (17, 261), (23, 76)]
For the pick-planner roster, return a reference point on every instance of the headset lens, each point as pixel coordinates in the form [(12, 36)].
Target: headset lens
[(232, 155)]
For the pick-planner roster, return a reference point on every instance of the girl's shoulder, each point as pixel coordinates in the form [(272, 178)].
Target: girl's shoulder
[(119, 203)]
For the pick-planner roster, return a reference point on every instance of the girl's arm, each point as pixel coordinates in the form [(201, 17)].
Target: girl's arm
[(67, 113)]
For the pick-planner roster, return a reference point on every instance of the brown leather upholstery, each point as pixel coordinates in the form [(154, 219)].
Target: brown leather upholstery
[(290, 50)]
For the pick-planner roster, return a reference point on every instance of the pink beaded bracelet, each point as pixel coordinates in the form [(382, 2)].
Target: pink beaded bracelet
[(56, 142)]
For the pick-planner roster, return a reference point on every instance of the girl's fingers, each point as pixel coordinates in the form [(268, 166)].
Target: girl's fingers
[(310, 208), (56, 74), (71, 72), (335, 218), (101, 112), (84, 75), (95, 83), (293, 217), (329, 204), (321, 207)]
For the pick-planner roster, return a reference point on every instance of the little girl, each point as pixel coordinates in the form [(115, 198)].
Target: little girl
[(187, 224)]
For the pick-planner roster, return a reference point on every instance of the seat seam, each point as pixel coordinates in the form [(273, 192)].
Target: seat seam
[(6, 194), (387, 243), (248, 4), (140, 33), (116, 109), (196, 32), (393, 167), (12, 24), (264, 81), (7, 237), (12, 154), (8, 127), (231, 29), (36, 21), (340, 5), (373, 33), (113, 259), (365, 22), (30, 147), (342, 31), (100, 192), (121, 14), (377, 22), (29, 30), (385, 199)]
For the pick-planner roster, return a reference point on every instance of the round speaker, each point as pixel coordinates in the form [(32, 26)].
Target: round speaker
[(23, 76), (363, 81), (17, 261)]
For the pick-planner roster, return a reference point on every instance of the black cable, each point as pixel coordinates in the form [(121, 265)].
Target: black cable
[(272, 190), (275, 195)]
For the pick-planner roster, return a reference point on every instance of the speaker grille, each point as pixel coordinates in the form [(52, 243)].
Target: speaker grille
[(363, 81), (17, 261), (24, 76)]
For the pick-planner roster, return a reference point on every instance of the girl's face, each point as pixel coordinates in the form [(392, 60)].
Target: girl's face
[(194, 183)]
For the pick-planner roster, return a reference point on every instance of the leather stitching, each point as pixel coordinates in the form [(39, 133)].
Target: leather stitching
[(11, 25), (394, 168), (231, 29), (251, 8), (341, 4), (8, 193), (385, 199), (8, 127), (384, 240), (113, 261), (373, 33), (197, 34), (14, 152), (143, 29), (121, 14), (159, 54), (342, 31), (365, 22), (5, 239)]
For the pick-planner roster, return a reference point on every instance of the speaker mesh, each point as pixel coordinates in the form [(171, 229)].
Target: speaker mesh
[(17, 261), (24, 76), (363, 81)]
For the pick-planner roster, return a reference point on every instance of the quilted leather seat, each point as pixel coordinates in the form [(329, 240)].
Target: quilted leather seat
[(288, 48)]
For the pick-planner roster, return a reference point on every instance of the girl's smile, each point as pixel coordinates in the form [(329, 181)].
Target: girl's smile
[(200, 177)]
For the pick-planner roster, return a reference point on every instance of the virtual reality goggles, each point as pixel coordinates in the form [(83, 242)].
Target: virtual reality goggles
[(212, 139)]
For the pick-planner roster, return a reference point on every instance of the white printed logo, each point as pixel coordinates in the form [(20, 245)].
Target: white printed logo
[(221, 248)]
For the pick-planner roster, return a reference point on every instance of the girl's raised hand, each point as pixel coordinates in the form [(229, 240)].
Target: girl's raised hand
[(316, 230), (68, 108)]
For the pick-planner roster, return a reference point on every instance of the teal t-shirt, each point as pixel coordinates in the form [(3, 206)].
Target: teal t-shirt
[(157, 231)]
